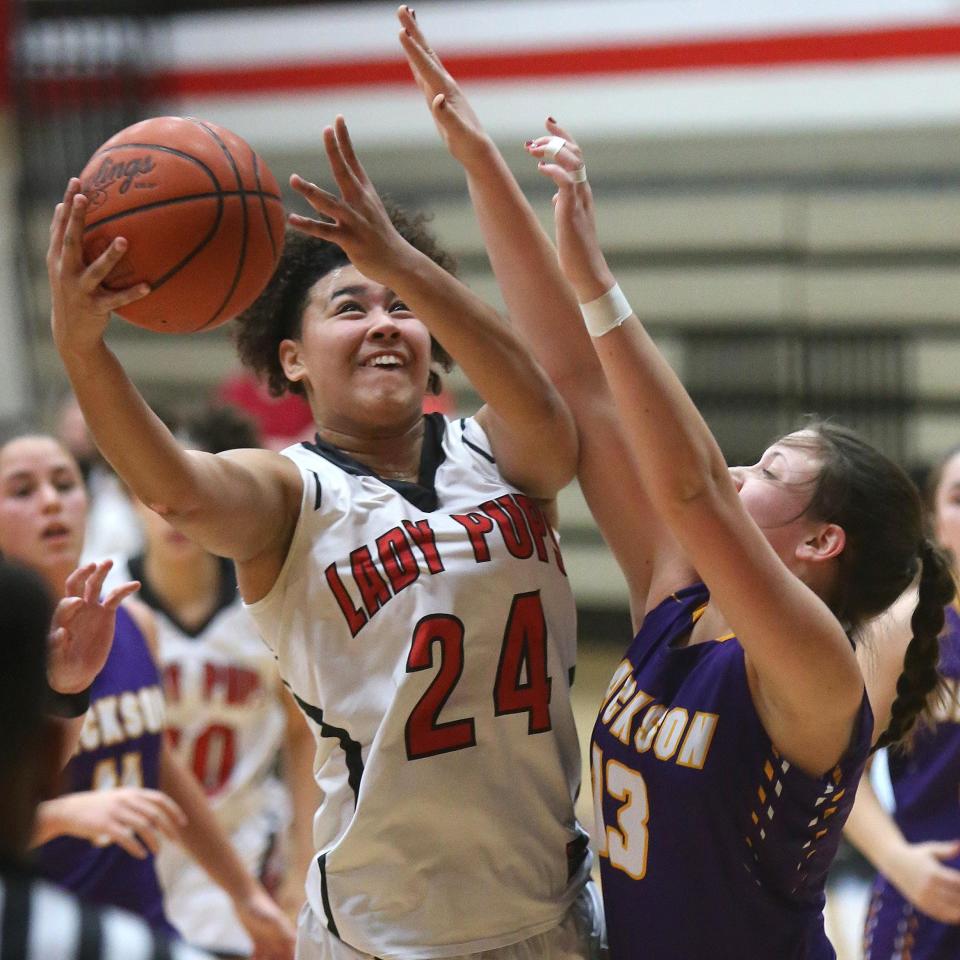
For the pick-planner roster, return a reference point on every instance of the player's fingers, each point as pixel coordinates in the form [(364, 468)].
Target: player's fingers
[(73, 233), (74, 583), (347, 151), (66, 610), (91, 592), (421, 58), (324, 202), (161, 800), (59, 222), (556, 149), (118, 594), (557, 174), (100, 269), (122, 836), (558, 131), (117, 299), (314, 228), (154, 815)]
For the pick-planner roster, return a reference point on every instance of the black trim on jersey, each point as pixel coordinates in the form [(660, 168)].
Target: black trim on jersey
[(423, 493), (473, 446), (324, 896), (571, 675), (91, 936), (226, 594), (317, 496), (576, 852), (17, 909), (350, 747)]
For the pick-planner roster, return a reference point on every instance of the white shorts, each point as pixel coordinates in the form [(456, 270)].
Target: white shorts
[(580, 935)]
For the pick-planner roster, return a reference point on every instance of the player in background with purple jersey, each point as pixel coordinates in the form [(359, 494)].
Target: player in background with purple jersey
[(914, 912), (106, 836), (714, 841)]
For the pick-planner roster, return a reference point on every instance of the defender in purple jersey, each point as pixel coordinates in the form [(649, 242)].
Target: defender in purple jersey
[(914, 912), (728, 749), (121, 754), (736, 728)]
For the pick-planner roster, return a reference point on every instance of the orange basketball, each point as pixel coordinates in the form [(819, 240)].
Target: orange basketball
[(202, 214)]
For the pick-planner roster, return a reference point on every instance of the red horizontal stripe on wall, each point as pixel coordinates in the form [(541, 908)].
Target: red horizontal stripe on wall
[(854, 46)]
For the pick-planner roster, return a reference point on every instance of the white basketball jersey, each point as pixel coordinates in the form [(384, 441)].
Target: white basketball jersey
[(226, 722), (428, 633)]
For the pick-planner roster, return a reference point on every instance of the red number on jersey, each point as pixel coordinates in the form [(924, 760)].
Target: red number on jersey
[(425, 736), (524, 650), (214, 754)]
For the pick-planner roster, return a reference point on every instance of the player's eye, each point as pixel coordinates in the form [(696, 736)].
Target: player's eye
[(766, 474), (348, 306), (400, 307)]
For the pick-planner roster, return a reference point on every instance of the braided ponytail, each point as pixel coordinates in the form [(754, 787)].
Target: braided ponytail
[(920, 677)]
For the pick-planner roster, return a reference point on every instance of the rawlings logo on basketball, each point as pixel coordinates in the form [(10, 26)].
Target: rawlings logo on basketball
[(124, 172)]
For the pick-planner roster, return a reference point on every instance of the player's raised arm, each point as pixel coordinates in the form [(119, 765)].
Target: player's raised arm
[(528, 423), (809, 683), (543, 307), (199, 493)]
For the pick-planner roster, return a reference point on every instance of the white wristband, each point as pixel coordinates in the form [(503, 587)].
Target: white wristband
[(609, 310)]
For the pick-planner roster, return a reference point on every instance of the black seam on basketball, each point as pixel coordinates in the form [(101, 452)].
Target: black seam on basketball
[(246, 216), (172, 200), (263, 203), (211, 233), (164, 149)]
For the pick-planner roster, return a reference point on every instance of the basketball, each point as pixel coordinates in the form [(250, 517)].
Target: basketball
[(202, 215)]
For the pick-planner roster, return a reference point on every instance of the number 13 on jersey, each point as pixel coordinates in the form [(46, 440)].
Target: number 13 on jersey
[(625, 844)]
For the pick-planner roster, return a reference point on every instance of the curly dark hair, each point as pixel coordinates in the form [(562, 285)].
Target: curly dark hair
[(277, 313)]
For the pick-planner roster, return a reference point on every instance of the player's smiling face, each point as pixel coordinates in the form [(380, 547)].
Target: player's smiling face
[(43, 504), (362, 355), (946, 506), (778, 488)]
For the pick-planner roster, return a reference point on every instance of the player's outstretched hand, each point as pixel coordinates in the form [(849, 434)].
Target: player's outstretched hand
[(272, 933), (81, 634), (81, 305), (459, 127), (357, 220), (578, 248), (932, 886), (130, 817)]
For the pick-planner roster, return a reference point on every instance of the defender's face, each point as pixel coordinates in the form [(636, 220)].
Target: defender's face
[(43, 504), (778, 488), (363, 356), (946, 507)]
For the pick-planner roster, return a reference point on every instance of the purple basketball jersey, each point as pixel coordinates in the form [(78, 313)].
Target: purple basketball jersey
[(119, 746), (713, 845), (926, 790)]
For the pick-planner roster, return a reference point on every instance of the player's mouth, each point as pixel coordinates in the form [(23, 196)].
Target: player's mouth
[(385, 360), (55, 533)]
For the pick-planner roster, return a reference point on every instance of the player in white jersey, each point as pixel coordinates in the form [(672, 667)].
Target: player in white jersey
[(227, 714), (415, 598)]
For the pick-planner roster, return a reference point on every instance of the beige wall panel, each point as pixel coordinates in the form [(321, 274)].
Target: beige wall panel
[(884, 220), (937, 368), (932, 434), (885, 295)]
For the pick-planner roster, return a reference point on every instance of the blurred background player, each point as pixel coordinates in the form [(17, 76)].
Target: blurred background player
[(37, 920), (101, 840), (915, 907), (228, 716)]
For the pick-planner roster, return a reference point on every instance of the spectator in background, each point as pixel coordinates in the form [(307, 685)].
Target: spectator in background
[(39, 921), (915, 907), (227, 713), (113, 528)]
